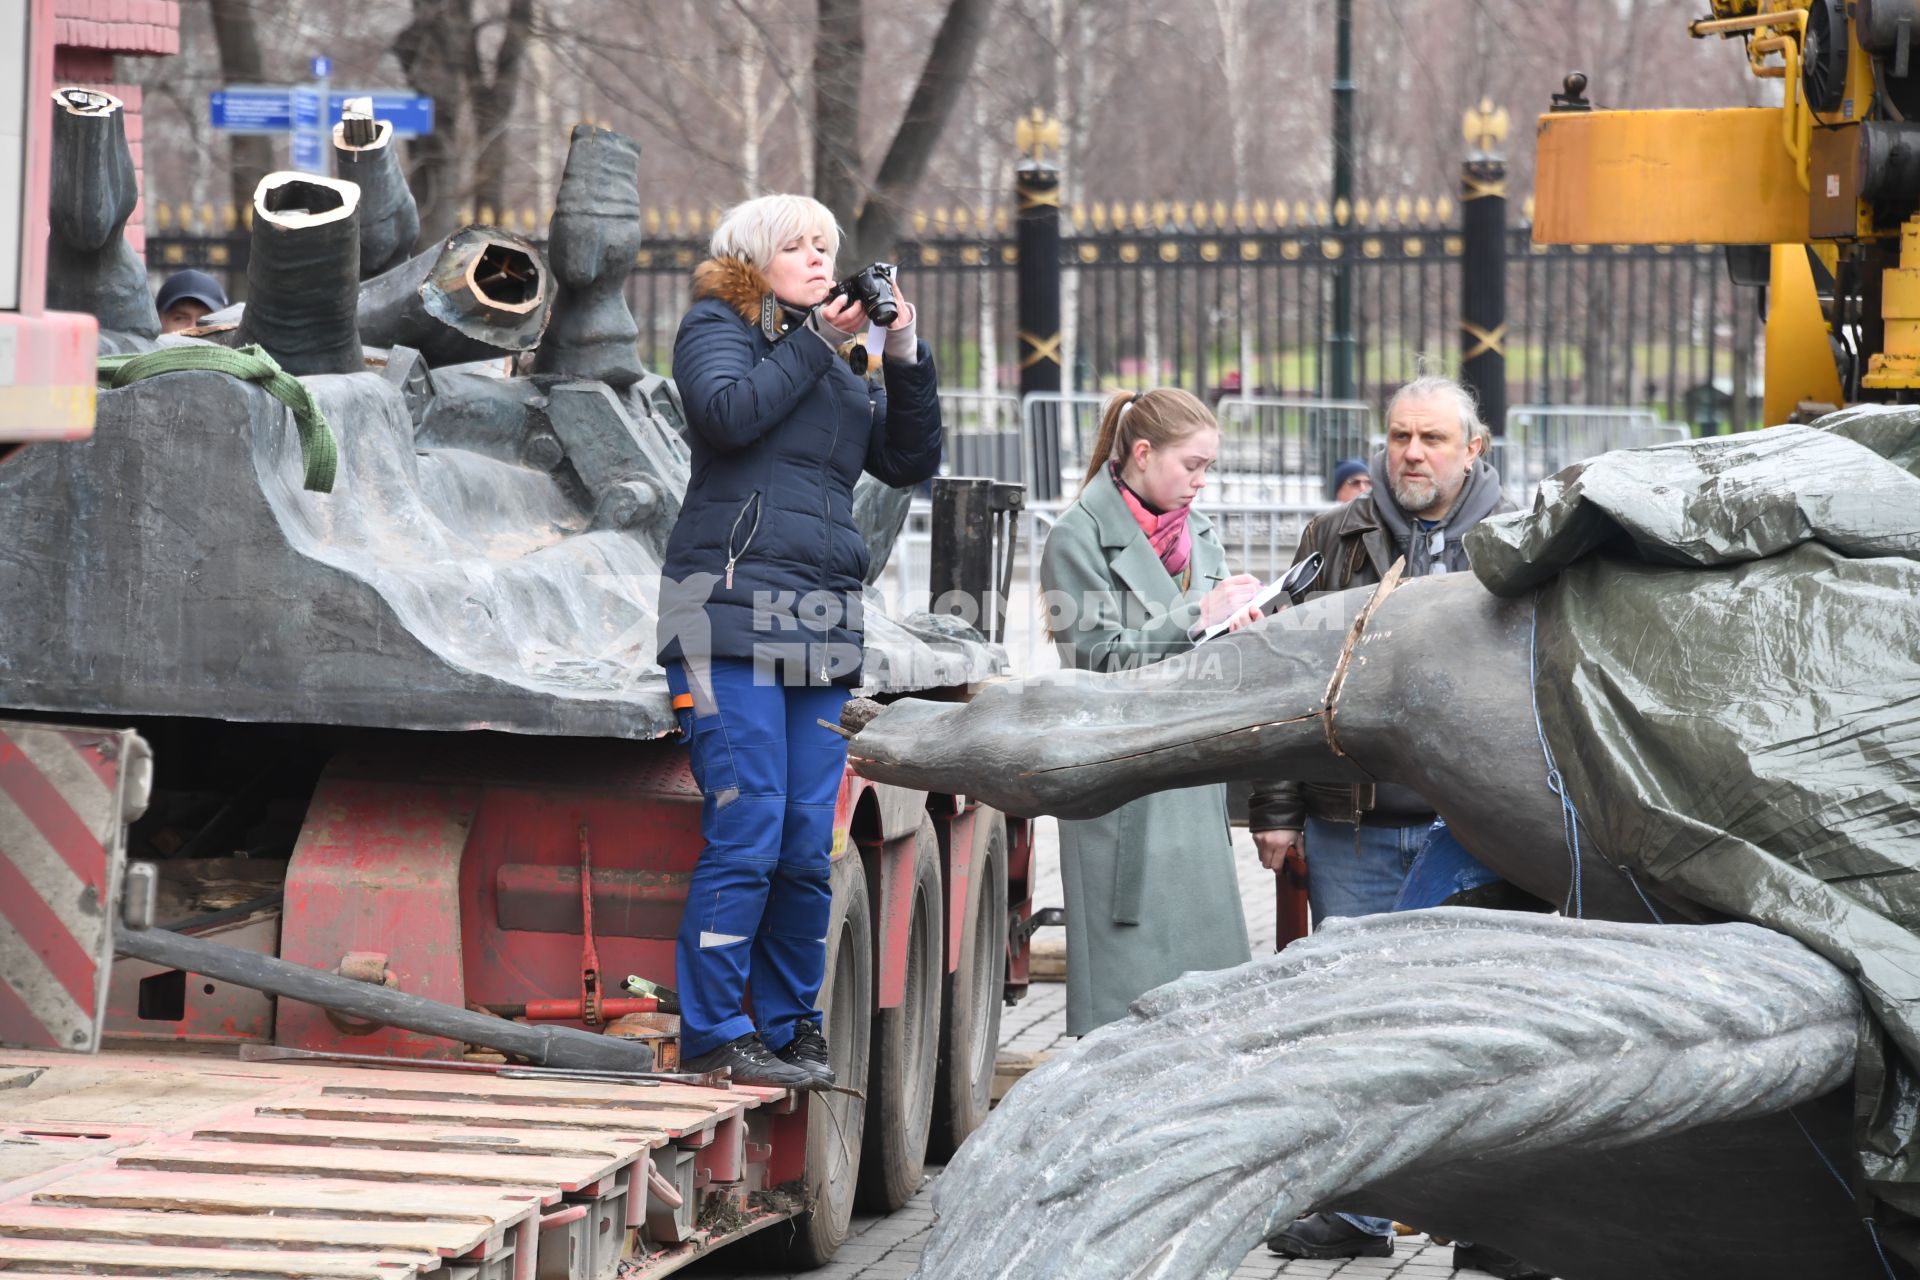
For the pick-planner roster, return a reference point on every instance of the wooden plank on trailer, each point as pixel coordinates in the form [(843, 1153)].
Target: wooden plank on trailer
[(669, 1124), (477, 1168), (112, 1097), (428, 1240), (113, 1188), (509, 1090), (295, 1131), (163, 1260), (25, 1156)]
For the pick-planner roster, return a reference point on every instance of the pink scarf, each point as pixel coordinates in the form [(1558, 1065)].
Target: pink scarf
[(1167, 532)]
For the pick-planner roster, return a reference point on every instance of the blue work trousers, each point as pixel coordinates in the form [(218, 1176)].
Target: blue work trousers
[(761, 896)]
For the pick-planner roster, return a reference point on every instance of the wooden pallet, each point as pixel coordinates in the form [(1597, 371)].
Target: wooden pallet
[(205, 1167)]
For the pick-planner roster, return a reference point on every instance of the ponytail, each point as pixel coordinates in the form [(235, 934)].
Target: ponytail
[(1162, 417)]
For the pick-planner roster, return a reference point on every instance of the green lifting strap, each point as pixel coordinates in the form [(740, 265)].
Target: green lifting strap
[(318, 449)]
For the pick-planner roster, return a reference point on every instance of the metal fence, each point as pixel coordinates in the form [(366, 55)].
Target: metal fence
[(1228, 305)]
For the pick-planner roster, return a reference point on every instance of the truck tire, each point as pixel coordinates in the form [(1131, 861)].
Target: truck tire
[(835, 1121), (970, 1029), (906, 1046)]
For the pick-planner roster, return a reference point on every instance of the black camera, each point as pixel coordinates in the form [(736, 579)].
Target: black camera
[(872, 288)]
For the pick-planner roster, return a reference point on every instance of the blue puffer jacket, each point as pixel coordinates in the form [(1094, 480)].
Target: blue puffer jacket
[(765, 561)]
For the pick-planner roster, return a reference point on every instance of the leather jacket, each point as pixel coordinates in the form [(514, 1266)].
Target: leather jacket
[(1356, 550)]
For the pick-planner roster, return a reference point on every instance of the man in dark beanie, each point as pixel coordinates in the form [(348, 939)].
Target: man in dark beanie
[(1350, 480)]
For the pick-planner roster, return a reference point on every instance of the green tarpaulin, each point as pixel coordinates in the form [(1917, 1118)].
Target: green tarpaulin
[(1728, 648)]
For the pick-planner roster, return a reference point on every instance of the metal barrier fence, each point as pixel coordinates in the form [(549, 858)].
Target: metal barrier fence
[(1275, 450), (1543, 439)]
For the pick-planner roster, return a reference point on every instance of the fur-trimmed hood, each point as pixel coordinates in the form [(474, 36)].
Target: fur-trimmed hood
[(741, 286), (736, 282)]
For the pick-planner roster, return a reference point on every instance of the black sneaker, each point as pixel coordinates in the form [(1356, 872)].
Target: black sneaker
[(1328, 1235), (750, 1062), (1488, 1260), (808, 1051)]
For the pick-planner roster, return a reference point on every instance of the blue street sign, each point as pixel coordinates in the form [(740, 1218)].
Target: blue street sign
[(306, 108), (321, 67), (308, 155), (266, 109), (411, 113), (251, 110)]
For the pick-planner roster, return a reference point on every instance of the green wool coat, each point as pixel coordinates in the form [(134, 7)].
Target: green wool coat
[(1150, 888)]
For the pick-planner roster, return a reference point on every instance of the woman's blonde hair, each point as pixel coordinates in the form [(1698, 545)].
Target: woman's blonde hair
[(1163, 417), (755, 229)]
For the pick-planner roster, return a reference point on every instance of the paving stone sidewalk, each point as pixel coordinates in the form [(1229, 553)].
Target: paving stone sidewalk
[(888, 1248)]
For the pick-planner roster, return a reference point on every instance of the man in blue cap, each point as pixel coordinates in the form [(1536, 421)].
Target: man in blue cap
[(186, 298)]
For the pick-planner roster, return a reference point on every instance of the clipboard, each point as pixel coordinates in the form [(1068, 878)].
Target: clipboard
[(1293, 584)]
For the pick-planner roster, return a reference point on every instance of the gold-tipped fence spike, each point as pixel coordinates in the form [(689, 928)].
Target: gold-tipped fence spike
[(1140, 220), (1320, 213), (919, 222), (1242, 215), (1118, 215), (941, 221), (1526, 208), (208, 220), (1199, 215), (1220, 214), (1076, 215), (1444, 210), (1302, 216), (1423, 210), (652, 222), (1099, 217), (1342, 211), (229, 217), (962, 220), (246, 215), (1159, 220), (464, 214), (486, 215), (1001, 221), (530, 219), (1402, 210), (673, 223), (1259, 214), (695, 220), (162, 216)]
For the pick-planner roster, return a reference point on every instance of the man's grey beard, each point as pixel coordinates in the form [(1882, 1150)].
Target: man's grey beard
[(1417, 496)]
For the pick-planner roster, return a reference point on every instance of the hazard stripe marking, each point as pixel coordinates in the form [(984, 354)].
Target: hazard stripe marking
[(56, 1016), (43, 933), (47, 874), (48, 810)]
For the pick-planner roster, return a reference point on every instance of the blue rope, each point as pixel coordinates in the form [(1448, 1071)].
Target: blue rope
[(1569, 816), (1645, 901), (1873, 1230)]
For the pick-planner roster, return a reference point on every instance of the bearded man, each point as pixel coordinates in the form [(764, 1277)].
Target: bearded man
[(1430, 485)]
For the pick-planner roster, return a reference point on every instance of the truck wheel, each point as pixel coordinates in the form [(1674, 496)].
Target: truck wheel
[(907, 1047), (970, 1031), (835, 1120)]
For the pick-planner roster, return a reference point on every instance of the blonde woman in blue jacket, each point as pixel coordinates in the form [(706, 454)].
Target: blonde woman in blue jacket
[(1131, 574)]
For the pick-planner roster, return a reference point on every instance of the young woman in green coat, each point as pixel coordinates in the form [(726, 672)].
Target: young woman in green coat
[(1132, 574)]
